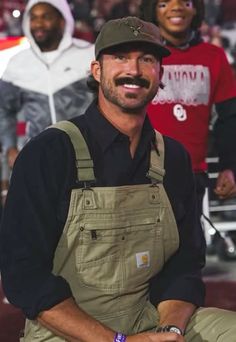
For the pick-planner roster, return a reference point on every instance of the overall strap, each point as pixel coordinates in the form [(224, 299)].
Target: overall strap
[(156, 171), (84, 163)]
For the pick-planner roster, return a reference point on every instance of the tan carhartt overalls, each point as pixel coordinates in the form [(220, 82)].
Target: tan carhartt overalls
[(114, 240)]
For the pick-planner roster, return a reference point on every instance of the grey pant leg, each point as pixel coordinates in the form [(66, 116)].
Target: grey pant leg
[(211, 325)]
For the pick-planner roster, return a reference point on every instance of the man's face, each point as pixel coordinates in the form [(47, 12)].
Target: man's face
[(46, 26), (175, 17), (128, 79)]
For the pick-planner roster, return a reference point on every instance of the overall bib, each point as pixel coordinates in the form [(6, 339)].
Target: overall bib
[(114, 240)]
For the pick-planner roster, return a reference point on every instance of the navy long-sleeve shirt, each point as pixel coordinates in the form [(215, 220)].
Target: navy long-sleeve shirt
[(38, 203)]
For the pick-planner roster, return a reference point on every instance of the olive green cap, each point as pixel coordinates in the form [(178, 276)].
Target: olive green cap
[(130, 30)]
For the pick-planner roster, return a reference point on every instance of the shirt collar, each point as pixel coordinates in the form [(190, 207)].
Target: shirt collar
[(194, 39), (106, 133)]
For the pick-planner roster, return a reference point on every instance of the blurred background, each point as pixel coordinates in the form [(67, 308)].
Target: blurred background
[(219, 26), (89, 15)]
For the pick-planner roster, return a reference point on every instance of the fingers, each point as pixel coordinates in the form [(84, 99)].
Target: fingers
[(225, 191), (225, 185)]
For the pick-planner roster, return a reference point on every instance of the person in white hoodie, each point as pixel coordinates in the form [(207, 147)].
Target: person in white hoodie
[(46, 82)]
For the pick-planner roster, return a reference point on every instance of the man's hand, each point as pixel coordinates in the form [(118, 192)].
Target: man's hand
[(225, 185), (69, 321), (12, 153), (156, 337)]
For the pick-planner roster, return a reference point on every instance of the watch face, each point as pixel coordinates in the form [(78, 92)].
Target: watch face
[(170, 328), (175, 330)]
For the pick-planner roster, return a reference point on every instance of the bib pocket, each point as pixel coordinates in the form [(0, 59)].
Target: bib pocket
[(119, 252)]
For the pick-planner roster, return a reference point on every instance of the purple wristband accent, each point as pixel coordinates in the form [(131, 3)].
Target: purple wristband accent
[(119, 337)]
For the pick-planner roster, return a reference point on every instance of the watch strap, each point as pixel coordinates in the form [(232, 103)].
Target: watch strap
[(170, 328)]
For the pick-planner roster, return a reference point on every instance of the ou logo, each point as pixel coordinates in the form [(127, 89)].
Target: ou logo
[(179, 112)]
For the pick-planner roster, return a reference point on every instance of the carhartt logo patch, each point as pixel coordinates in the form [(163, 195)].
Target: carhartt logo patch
[(143, 259)]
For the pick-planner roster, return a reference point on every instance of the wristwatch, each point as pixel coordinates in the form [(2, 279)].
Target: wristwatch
[(170, 328)]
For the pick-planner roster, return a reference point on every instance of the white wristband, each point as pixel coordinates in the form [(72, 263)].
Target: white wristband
[(4, 193)]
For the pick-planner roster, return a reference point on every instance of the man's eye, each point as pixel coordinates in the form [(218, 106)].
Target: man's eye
[(47, 17), (148, 59), (119, 57)]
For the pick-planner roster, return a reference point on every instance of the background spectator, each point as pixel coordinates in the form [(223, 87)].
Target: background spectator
[(51, 86), (182, 110)]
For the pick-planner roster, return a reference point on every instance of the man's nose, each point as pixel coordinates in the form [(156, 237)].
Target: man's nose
[(134, 67), (37, 23)]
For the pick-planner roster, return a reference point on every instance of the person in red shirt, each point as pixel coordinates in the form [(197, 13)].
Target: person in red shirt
[(196, 76)]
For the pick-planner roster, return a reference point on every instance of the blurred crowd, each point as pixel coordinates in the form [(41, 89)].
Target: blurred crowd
[(90, 15), (219, 26)]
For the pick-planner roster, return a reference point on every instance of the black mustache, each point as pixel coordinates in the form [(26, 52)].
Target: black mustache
[(139, 81)]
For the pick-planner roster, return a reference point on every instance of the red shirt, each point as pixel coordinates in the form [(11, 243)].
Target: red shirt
[(194, 79)]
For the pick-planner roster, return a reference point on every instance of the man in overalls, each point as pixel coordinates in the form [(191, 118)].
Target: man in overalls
[(99, 206)]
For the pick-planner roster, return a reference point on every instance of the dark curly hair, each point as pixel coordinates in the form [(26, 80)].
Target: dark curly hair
[(147, 12)]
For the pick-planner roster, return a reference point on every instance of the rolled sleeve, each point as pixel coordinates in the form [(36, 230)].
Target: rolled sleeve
[(33, 220)]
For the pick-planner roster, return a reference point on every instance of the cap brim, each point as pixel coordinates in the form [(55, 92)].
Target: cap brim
[(158, 49)]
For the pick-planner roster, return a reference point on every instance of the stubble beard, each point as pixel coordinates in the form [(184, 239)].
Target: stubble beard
[(51, 39), (111, 94)]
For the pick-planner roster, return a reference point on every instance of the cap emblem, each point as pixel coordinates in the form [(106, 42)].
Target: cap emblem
[(136, 29)]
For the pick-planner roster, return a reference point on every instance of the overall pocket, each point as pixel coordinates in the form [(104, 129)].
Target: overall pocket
[(119, 252)]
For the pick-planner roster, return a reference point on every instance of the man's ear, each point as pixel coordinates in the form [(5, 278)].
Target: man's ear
[(161, 85), (161, 72), (96, 70)]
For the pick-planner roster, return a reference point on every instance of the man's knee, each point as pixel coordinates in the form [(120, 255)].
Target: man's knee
[(212, 325)]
